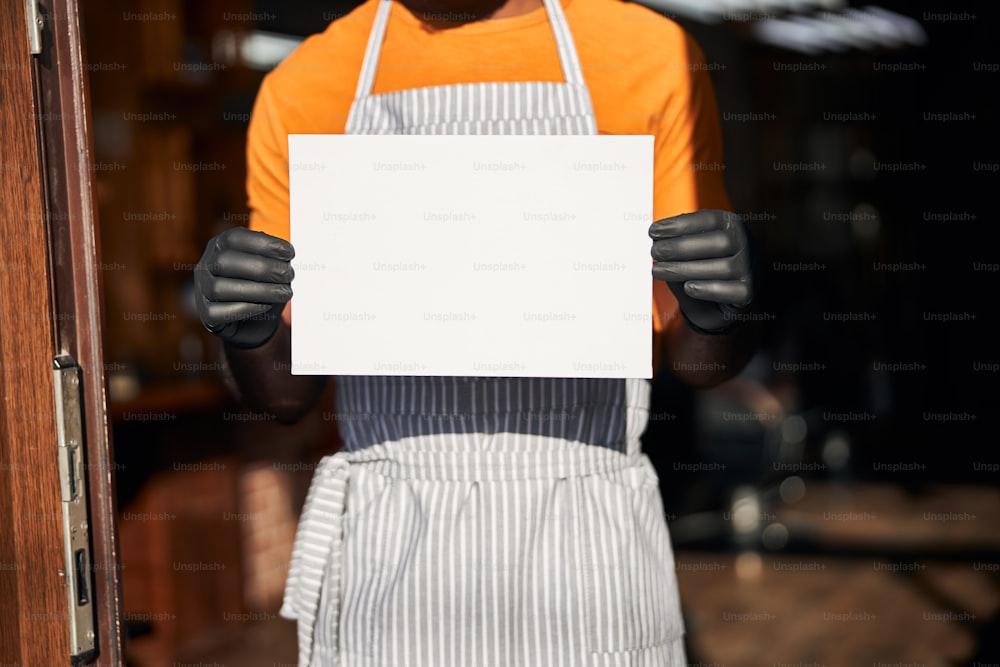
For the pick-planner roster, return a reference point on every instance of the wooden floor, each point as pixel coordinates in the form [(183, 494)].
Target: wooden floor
[(804, 611), (920, 589), (270, 643), (879, 607)]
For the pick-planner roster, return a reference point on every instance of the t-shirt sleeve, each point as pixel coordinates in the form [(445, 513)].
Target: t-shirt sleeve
[(688, 160), (267, 167)]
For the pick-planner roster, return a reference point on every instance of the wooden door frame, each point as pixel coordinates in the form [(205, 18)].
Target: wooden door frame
[(50, 304)]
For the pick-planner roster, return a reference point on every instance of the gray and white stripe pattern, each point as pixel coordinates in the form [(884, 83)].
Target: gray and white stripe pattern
[(380, 409), (529, 107), (485, 522), (532, 553)]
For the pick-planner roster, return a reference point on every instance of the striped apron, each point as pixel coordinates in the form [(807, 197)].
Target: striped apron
[(484, 522)]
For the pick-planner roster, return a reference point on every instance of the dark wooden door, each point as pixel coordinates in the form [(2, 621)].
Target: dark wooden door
[(50, 306)]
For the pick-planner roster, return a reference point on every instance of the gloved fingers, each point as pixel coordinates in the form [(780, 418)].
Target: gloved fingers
[(225, 290), (247, 266), (705, 245), (255, 243), (216, 316), (698, 222), (732, 292), (720, 268)]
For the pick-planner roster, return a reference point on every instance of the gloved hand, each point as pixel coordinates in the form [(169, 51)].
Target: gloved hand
[(705, 259), (242, 284)]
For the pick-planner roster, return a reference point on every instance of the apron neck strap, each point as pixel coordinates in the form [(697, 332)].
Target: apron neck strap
[(557, 19)]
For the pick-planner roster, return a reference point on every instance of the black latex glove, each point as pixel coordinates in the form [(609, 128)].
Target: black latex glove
[(242, 284), (705, 259)]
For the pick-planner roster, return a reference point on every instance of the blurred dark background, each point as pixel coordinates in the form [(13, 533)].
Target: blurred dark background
[(836, 504)]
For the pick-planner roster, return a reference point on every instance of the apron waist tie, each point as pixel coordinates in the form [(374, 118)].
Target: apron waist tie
[(318, 550)]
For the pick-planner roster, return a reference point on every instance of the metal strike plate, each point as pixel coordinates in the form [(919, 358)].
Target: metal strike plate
[(35, 23), (76, 529)]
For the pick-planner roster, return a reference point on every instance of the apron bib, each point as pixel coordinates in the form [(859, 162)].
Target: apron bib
[(519, 525)]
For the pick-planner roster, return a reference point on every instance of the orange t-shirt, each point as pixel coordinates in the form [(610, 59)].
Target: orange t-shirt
[(645, 75)]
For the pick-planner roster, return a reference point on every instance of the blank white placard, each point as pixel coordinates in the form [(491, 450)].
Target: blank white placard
[(481, 255)]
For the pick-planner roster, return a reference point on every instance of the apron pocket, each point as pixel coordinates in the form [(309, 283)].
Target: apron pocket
[(377, 539), (631, 599)]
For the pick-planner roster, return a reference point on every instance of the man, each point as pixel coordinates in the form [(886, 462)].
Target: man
[(488, 521)]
